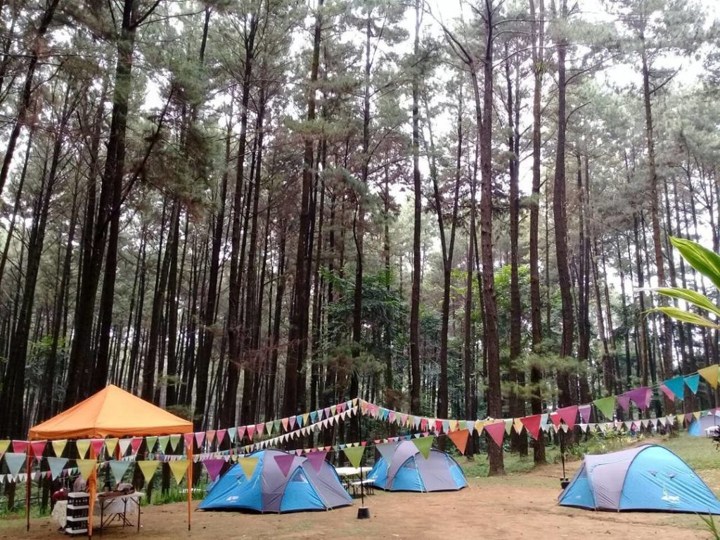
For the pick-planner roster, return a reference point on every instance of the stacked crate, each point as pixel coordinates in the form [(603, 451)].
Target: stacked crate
[(77, 513)]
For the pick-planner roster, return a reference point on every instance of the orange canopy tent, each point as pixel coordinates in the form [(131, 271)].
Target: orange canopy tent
[(112, 412)]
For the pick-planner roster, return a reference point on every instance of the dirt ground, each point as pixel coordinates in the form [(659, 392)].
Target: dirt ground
[(518, 506)]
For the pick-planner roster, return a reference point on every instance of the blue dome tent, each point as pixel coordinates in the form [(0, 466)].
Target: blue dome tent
[(408, 470), (648, 477), (301, 486), (699, 425)]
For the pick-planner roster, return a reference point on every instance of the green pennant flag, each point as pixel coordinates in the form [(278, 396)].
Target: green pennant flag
[(85, 467), (606, 406), (178, 469), (424, 444), (163, 442), (174, 440), (248, 466), (151, 442), (354, 455), (148, 468)]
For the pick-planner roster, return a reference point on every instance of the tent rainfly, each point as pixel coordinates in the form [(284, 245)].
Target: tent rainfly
[(407, 470), (648, 477), (278, 482), (112, 412)]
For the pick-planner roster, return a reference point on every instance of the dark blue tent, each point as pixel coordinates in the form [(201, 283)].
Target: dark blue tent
[(649, 477), (270, 489)]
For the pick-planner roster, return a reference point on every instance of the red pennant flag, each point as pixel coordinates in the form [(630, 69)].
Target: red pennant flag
[(20, 447), (38, 447), (438, 426), (496, 431), (532, 424), (460, 439), (555, 418), (568, 415), (135, 443), (284, 462), (97, 445), (250, 432), (240, 433), (423, 424)]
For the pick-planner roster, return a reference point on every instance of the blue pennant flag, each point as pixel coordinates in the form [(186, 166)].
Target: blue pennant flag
[(676, 386), (692, 382)]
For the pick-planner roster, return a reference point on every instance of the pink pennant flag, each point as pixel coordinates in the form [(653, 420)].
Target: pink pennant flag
[(423, 424), (326, 410), (259, 429), (585, 411), (38, 447), (97, 446), (199, 438), (285, 423), (250, 432), (568, 415), (438, 426), (214, 466), (496, 431), (624, 401), (210, 435), (298, 452), (555, 418), (340, 407), (668, 393), (640, 396), (284, 462), (220, 434), (292, 422), (241, 432), (316, 459), (188, 438), (20, 447)]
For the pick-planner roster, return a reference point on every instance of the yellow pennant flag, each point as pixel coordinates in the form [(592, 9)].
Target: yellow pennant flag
[(248, 466), (696, 414), (479, 426), (85, 467), (59, 446), (4, 445), (83, 445), (178, 469), (518, 425), (110, 446), (680, 418), (148, 468), (710, 374), (453, 425)]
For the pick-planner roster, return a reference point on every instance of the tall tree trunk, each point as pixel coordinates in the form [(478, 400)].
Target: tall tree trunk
[(538, 44), (417, 228), (298, 333), (560, 219), (492, 341)]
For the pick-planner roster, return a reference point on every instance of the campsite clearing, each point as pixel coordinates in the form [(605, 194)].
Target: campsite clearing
[(515, 506)]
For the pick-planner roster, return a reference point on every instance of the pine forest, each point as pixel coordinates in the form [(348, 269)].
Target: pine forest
[(244, 210)]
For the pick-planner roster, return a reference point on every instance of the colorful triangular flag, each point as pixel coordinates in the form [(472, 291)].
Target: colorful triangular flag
[(354, 455), (248, 466), (178, 469), (148, 468), (118, 469), (710, 374), (460, 439)]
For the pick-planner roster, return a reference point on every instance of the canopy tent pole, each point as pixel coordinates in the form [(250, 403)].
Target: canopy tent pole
[(28, 487), (189, 483), (92, 490)]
